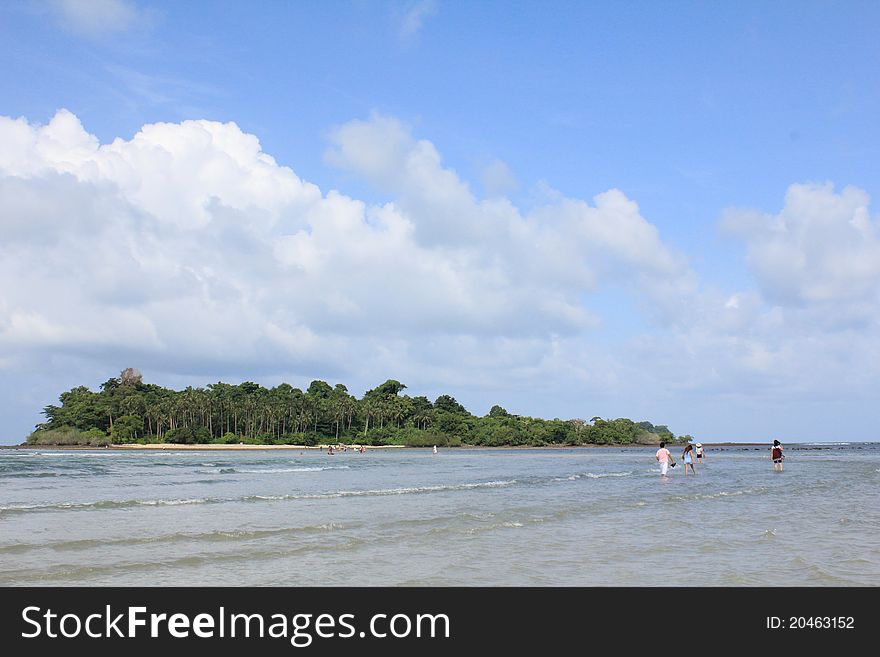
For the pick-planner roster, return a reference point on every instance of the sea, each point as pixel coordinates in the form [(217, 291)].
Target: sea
[(461, 517)]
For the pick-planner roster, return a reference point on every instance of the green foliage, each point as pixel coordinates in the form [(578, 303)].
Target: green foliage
[(297, 439), (310, 439), (455, 424), (448, 404), (496, 431), (228, 439), (180, 436), (68, 436), (498, 411), (619, 431), (129, 410), (414, 438), (127, 429), (390, 388), (96, 437), (188, 436)]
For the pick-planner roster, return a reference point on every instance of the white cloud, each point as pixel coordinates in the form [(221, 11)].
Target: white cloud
[(414, 16), (95, 18), (811, 329), (498, 179), (563, 244), (188, 250), (823, 247), (189, 242)]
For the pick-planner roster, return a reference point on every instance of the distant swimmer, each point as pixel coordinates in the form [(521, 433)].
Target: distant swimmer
[(435, 449), (777, 456), (699, 451), (362, 449), (664, 457), (688, 459), (330, 450)]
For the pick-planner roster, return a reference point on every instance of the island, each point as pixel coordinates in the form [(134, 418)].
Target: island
[(127, 411)]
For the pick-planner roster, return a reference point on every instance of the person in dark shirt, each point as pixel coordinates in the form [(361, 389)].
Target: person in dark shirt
[(777, 456)]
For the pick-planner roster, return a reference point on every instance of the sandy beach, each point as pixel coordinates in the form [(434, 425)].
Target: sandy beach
[(213, 447)]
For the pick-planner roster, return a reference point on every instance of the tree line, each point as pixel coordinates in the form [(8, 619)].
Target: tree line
[(127, 410)]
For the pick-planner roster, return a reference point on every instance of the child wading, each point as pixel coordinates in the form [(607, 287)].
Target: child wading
[(776, 455), (664, 456)]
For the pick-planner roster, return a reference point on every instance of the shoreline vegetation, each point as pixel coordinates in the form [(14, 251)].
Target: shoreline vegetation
[(136, 447), (128, 413), (140, 447)]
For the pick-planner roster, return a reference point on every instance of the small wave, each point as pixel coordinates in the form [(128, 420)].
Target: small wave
[(101, 504), (719, 495), (481, 529), (302, 469), (591, 475), (213, 536), (200, 500), (124, 570), (78, 454), (122, 504), (228, 470), (382, 491), (246, 534)]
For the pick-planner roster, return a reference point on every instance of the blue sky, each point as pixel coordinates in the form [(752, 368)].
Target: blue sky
[(652, 210)]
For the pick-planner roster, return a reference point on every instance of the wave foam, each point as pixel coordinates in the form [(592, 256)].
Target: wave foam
[(592, 475), (384, 491), (122, 504), (302, 469)]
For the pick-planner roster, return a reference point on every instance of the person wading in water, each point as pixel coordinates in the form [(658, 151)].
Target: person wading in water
[(688, 459), (664, 456), (777, 456)]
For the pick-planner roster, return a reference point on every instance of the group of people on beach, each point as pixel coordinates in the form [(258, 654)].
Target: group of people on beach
[(694, 454), (344, 448), (331, 450)]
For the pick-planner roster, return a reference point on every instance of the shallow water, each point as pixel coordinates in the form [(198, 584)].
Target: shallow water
[(461, 517)]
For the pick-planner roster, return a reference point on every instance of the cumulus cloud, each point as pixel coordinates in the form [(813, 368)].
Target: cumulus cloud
[(809, 330), (822, 247), (189, 245), (564, 244), (498, 179), (188, 250), (95, 18)]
